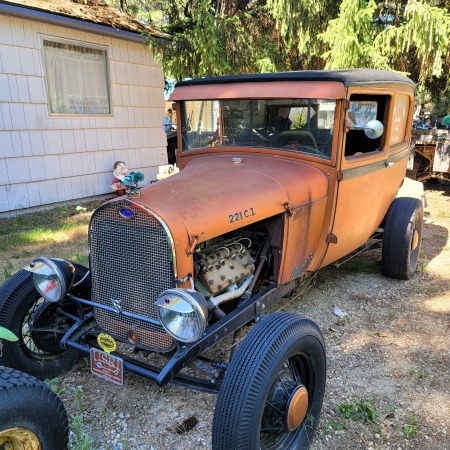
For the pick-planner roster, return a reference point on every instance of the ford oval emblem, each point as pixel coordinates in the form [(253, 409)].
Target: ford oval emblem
[(126, 212)]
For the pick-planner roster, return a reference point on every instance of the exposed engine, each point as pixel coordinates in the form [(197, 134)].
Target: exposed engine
[(225, 268)]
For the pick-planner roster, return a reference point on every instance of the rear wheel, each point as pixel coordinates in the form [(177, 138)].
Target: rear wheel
[(31, 415), (402, 237), (39, 327), (272, 392)]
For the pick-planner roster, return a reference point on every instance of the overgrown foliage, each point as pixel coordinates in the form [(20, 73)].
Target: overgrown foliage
[(219, 37)]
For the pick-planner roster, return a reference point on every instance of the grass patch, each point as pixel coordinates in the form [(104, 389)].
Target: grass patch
[(60, 232), (359, 410), (410, 429)]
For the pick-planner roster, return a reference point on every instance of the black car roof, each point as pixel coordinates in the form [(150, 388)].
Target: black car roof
[(345, 76)]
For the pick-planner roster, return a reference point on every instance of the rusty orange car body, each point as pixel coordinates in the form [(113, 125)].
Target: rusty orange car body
[(280, 175)]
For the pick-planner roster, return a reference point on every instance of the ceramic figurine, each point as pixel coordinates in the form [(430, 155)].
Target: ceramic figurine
[(126, 181)]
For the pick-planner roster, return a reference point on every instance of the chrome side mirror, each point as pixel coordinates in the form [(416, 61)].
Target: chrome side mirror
[(372, 129)]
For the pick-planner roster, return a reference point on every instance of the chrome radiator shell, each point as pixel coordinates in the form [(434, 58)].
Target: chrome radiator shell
[(132, 261)]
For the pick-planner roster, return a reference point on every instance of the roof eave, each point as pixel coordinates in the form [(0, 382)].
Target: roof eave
[(51, 18)]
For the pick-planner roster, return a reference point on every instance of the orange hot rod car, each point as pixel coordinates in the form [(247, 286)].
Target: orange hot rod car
[(281, 174)]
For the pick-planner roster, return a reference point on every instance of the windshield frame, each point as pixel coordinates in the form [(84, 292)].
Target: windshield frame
[(303, 126)]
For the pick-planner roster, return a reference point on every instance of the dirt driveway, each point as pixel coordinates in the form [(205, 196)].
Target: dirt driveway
[(388, 383), (388, 379)]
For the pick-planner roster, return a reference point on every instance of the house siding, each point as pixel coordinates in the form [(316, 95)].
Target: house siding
[(46, 158)]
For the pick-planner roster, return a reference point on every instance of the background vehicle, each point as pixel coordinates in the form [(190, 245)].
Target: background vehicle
[(31, 415), (281, 174), (430, 155)]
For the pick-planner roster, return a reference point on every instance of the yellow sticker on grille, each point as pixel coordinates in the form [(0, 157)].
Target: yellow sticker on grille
[(106, 342)]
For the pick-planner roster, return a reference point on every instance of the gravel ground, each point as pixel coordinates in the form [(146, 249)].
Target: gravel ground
[(389, 356)]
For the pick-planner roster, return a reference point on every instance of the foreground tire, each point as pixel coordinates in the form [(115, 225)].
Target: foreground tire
[(272, 392), (24, 312), (402, 237), (31, 415)]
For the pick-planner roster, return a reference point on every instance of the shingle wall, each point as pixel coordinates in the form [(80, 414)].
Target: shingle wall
[(46, 158)]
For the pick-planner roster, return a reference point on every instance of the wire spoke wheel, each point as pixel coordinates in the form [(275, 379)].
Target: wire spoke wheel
[(272, 392), (286, 404)]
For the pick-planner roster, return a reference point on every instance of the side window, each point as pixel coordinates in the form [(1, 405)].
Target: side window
[(363, 109), (399, 119)]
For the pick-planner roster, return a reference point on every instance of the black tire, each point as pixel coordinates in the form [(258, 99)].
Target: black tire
[(283, 353), (36, 354), (402, 237), (30, 410)]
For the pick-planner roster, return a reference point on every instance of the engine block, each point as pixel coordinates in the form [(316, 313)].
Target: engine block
[(225, 267)]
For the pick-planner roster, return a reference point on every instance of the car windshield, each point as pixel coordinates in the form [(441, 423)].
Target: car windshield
[(292, 125)]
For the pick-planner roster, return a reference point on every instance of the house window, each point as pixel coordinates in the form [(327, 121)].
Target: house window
[(76, 79)]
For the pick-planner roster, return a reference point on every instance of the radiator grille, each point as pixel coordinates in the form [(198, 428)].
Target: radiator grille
[(131, 264)]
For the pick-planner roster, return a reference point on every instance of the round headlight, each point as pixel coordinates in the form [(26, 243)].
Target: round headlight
[(183, 313), (52, 277)]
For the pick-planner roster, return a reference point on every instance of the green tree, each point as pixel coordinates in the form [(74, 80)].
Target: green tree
[(221, 37)]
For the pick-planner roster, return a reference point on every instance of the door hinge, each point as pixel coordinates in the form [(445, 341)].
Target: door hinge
[(346, 104), (340, 176), (332, 239)]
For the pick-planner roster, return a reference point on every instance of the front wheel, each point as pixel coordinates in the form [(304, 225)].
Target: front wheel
[(31, 415), (272, 392), (38, 326)]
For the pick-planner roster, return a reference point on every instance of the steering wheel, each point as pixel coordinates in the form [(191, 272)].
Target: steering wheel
[(295, 135)]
